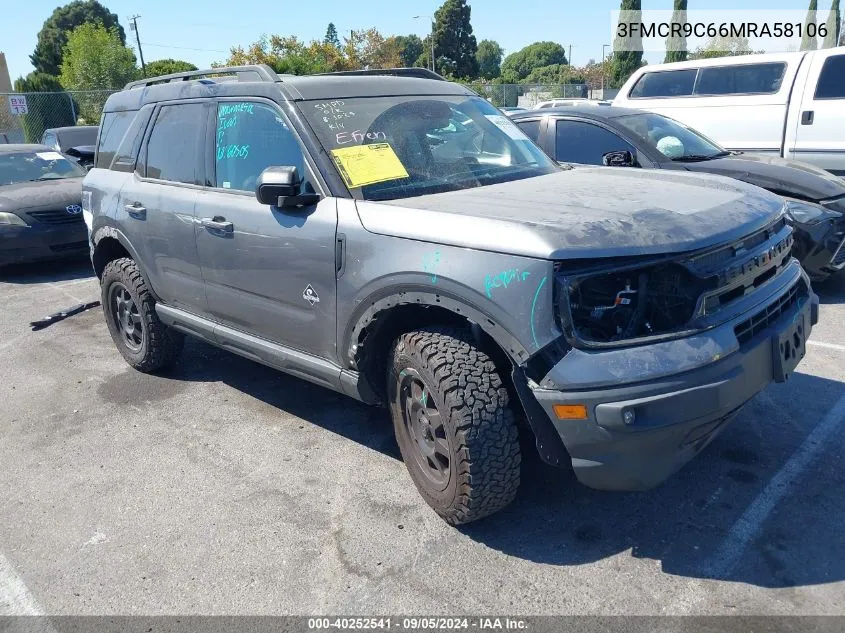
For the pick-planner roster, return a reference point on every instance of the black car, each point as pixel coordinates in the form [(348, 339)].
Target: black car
[(40, 205), (626, 137), (77, 141)]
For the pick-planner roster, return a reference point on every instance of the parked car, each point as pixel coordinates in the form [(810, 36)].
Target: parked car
[(626, 137), (40, 211), (77, 141), (784, 104), (559, 103), (396, 238)]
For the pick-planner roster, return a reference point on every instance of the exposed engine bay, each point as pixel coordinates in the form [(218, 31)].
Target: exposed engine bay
[(631, 304)]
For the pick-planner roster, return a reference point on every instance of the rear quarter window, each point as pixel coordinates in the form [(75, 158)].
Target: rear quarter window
[(740, 79), (112, 130), (668, 83)]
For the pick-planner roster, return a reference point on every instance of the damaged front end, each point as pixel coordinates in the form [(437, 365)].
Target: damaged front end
[(819, 236), (614, 303)]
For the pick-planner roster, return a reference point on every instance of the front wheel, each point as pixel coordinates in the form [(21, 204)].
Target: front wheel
[(453, 424)]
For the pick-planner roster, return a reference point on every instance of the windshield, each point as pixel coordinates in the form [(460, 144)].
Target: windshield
[(672, 139), (18, 167), (397, 147)]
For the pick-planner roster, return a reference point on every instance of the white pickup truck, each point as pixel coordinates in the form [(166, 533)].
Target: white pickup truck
[(789, 104)]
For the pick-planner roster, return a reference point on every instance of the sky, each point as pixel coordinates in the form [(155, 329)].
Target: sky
[(203, 31)]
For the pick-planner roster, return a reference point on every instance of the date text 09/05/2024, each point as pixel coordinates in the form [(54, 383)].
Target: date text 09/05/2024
[(417, 623)]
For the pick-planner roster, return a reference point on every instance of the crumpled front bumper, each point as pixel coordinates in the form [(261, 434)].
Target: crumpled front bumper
[(672, 416)]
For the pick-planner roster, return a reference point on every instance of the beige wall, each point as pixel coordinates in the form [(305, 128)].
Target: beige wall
[(5, 81)]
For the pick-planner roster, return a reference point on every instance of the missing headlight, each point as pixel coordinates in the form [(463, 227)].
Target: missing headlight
[(620, 306)]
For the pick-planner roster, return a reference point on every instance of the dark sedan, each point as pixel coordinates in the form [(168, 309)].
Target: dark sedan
[(634, 138), (40, 205), (77, 141)]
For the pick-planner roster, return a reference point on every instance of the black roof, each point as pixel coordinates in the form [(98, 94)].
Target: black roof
[(599, 113), (262, 81), (13, 148)]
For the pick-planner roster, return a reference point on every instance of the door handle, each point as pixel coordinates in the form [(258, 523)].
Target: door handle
[(218, 224), (136, 211), (807, 117)]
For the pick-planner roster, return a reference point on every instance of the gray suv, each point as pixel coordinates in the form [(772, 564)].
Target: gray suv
[(394, 237)]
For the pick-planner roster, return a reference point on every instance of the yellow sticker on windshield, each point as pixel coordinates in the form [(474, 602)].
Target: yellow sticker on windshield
[(362, 165)]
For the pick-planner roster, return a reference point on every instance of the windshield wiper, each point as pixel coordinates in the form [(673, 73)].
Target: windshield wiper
[(695, 158)]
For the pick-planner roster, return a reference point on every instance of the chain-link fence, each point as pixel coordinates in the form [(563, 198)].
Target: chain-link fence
[(528, 95), (25, 115)]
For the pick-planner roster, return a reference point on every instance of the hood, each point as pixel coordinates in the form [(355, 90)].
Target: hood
[(785, 177), (45, 194), (582, 213), (81, 150)]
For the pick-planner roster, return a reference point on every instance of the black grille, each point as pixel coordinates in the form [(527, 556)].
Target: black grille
[(839, 258), (750, 328), (59, 216), (712, 262)]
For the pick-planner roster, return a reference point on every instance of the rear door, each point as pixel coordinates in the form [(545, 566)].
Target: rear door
[(268, 271), (157, 203), (819, 123)]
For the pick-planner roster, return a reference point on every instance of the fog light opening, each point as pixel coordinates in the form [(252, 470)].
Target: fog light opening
[(629, 417)]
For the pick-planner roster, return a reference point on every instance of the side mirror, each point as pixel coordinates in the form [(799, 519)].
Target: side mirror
[(622, 158), (281, 187)]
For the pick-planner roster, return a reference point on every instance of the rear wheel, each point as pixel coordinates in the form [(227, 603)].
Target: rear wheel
[(453, 424), (142, 339)]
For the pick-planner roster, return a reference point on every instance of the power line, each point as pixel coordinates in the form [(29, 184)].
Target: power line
[(133, 19), (185, 48)]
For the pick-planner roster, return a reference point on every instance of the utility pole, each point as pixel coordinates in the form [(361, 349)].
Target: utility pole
[(433, 69), (134, 27)]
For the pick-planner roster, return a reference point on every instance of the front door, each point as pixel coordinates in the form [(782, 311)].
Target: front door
[(268, 271), (820, 128)]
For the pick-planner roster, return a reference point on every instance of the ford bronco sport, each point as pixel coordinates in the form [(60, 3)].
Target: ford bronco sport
[(392, 236)]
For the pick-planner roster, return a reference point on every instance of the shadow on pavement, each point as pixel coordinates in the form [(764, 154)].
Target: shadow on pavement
[(832, 289), (43, 272), (682, 523)]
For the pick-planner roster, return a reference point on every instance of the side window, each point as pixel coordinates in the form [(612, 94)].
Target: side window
[(250, 138), (50, 141), (832, 79), (671, 83), (740, 79), (112, 129), (173, 151), (127, 152), (585, 143), (531, 129)]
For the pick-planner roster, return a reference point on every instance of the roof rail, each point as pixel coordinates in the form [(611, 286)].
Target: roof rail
[(420, 73), (256, 72)]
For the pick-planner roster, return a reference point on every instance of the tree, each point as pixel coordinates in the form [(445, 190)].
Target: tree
[(454, 44), (410, 49), (627, 51), (95, 59), (834, 25), (49, 105), (517, 66), (52, 37), (167, 67), (331, 36), (808, 42), (289, 55), (676, 47), (489, 57), (723, 47)]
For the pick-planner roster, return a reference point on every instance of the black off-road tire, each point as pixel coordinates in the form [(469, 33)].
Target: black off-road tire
[(158, 345), (464, 411)]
